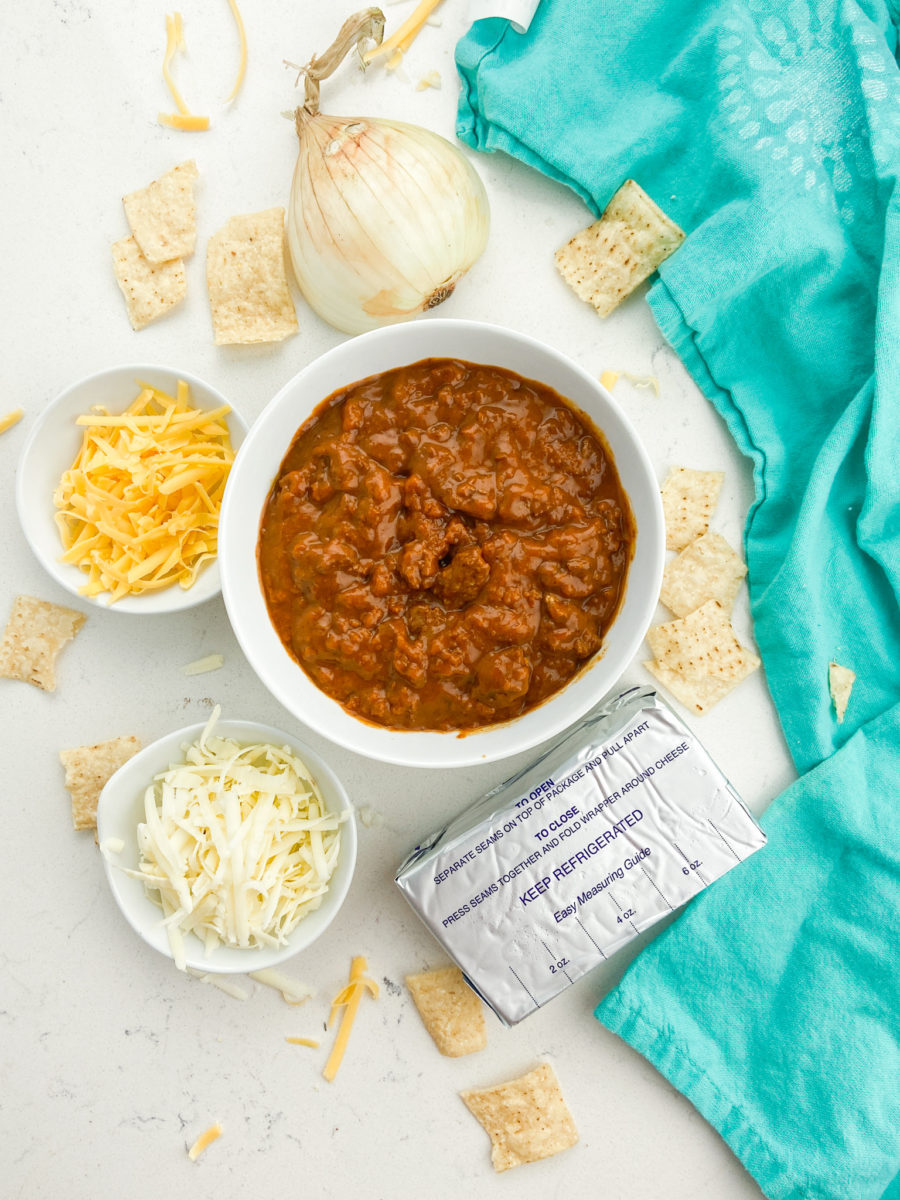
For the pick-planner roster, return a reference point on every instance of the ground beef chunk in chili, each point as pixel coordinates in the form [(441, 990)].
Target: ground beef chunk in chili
[(445, 545)]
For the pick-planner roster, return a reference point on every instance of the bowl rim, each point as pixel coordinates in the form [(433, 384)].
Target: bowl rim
[(30, 517), (136, 774), (452, 748)]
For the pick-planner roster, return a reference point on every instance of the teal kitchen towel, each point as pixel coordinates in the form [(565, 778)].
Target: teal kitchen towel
[(771, 133)]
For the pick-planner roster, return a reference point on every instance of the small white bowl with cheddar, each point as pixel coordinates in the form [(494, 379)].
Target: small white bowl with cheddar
[(133, 496), (229, 847)]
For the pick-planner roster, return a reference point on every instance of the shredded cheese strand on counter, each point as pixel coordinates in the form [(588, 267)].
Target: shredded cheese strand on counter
[(400, 41), (205, 1139), (237, 845), (139, 507), (174, 42), (11, 418), (298, 1041), (609, 379), (184, 119), (293, 991), (243, 36), (201, 666), (348, 998), (186, 123), (222, 982), (642, 381)]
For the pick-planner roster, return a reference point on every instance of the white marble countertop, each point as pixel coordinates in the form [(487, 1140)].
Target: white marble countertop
[(112, 1062)]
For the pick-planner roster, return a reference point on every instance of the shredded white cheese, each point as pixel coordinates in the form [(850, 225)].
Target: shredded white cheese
[(237, 845), (292, 990), (609, 379), (642, 381), (222, 982), (212, 662)]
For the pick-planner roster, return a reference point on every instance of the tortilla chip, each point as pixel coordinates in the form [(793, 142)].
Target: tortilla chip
[(162, 215), (699, 658), (702, 643), (87, 770), (605, 262), (698, 695), (149, 290), (450, 1010), (36, 632), (840, 684), (526, 1119), (707, 569), (245, 274), (689, 499)]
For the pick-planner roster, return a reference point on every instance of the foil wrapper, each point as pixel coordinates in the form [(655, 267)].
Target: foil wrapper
[(621, 822)]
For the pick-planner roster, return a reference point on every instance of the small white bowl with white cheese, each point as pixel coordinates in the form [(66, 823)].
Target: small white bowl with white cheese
[(252, 843)]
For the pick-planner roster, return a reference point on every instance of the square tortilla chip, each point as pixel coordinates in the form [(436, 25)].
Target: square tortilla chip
[(450, 1010), (605, 262), (87, 770), (526, 1119), (149, 290), (702, 643), (245, 275), (840, 684), (36, 632), (698, 695), (689, 499), (707, 569), (162, 215), (699, 658)]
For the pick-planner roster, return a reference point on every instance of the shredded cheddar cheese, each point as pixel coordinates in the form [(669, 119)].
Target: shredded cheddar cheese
[(243, 36), (298, 1041), (139, 507), (174, 42), (400, 41), (184, 119), (348, 998), (11, 418), (205, 1139)]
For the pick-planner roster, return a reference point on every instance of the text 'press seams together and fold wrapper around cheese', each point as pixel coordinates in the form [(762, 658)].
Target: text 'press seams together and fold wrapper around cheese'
[(547, 875)]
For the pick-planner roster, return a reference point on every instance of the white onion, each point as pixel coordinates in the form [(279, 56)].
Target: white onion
[(384, 217)]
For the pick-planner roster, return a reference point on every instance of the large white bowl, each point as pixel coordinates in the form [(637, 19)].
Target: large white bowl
[(50, 450), (121, 808), (257, 466)]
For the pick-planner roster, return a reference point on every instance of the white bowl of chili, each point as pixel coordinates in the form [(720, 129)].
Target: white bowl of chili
[(402, 566), (138, 511)]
